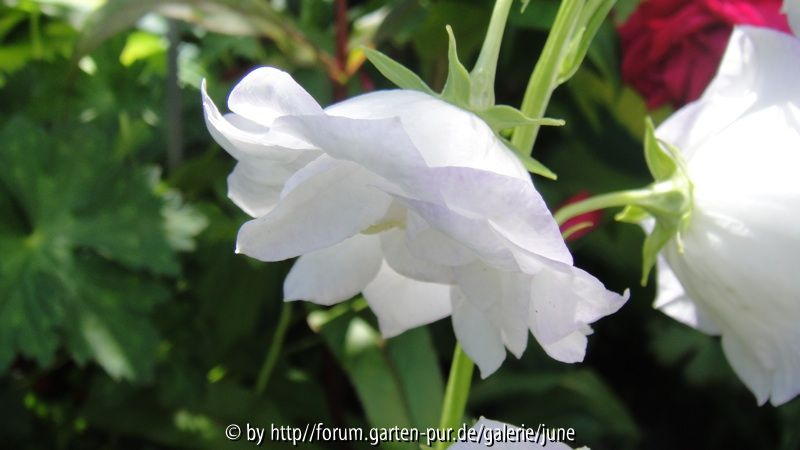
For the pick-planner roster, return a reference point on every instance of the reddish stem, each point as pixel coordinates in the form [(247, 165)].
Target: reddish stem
[(339, 88)]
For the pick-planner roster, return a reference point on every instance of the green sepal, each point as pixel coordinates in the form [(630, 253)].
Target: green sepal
[(631, 214), (397, 73), (457, 88), (661, 164), (653, 244), (501, 117), (535, 167)]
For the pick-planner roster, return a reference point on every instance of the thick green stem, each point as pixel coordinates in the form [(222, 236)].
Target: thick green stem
[(482, 75), (544, 78), (609, 200), (456, 393), (274, 348)]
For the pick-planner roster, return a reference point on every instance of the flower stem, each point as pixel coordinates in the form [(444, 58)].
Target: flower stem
[(274, 348), (456, 393), (609, 200), (544, 78), (482, 75)]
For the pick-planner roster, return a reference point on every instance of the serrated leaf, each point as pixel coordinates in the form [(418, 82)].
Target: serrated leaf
[(660, 163), (458, 85), (502, 117), (71, 275), (397, 73)]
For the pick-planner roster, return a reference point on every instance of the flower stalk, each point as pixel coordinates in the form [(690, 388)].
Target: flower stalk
[(275, 348), (483, 74), (456, 393), (545, 76)]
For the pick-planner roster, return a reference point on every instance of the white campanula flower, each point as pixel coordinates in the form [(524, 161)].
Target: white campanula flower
[(415, 203), (738, 273)]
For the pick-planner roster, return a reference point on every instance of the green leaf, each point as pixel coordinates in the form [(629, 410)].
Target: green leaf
[(578, 397), (502, 117), (661, 164), (71, 274), (397, 73), (233, 17), (397, 381), (458, 85), (142, 45)]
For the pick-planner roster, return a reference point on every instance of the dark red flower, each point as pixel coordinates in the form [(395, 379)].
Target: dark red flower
[(671, 48), (582, 224)]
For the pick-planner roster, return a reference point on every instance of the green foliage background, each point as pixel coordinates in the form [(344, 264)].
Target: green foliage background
[(127, 322)]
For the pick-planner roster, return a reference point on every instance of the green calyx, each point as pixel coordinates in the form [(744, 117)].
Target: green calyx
[(473, 91), (670, 199)]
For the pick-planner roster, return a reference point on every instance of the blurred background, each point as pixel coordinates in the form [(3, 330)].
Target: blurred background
[(127, 321)]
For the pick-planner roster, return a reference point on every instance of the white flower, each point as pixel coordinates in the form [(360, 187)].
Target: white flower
[(501, 436), (411, 201), (738, 274), (792, 9)]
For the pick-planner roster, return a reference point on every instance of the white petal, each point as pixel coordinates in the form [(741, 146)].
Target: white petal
[(427, 243), (444, 134), (565, 300), (255, 186), (336, 273), (673, 301), (244, 139), (503, 298), (324, 210), (757, 69), (569, 349), (401, 303), (480, 339), (400, 258), (747, 285), (792, 9), (267, 93), (515, 209)]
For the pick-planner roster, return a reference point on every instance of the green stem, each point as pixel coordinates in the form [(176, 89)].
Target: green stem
[(544, 78), (609, 200), (274, 348), (483, 74), (456, 393)]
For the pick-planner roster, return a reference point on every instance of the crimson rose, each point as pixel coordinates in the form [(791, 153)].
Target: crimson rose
[(671, 48)]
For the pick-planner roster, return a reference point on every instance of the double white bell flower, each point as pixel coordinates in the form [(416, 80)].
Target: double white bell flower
[(738, 274), (415, 203)]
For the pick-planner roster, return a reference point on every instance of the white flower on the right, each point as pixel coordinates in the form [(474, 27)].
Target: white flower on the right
[(739, 273)]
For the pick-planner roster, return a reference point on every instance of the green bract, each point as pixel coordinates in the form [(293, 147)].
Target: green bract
[(668, 200)]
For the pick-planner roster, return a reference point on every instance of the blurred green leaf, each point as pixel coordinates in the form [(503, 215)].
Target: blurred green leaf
[(397, 381), (89, 223)]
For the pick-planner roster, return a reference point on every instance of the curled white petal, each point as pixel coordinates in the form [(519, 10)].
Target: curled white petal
[(402, 303), (336, 273)]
